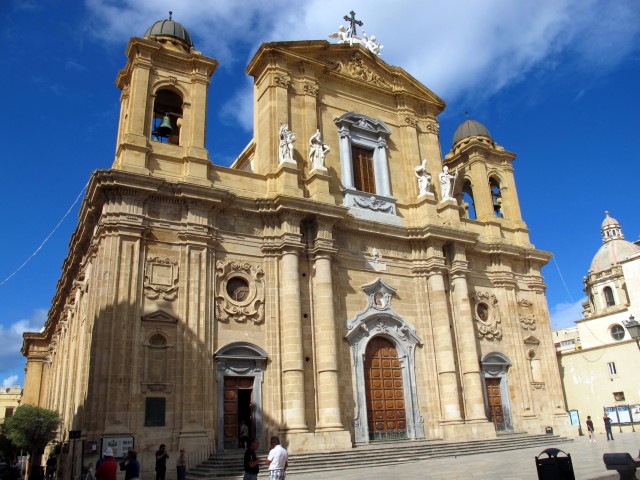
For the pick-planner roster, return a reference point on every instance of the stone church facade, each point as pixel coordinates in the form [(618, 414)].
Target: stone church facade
[(332, 302)]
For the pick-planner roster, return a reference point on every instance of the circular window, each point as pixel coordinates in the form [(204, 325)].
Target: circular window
[(483, 311), (617, 332), (238, 289)]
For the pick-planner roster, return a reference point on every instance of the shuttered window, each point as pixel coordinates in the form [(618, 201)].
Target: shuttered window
[(363, 175)]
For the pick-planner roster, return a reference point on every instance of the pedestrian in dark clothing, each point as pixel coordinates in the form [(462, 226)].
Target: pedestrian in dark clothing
[(592, 433), (161, 462), (131, 466), (251, 461), (607, 426)]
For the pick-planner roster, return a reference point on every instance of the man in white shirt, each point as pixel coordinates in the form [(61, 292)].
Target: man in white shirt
[(277, 460)]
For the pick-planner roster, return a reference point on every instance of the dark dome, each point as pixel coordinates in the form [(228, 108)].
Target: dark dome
[(169, 28), (470, 128)]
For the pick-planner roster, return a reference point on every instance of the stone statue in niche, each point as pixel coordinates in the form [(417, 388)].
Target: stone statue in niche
[(424, 179), (447, 182), (317, 151), (287, 137)]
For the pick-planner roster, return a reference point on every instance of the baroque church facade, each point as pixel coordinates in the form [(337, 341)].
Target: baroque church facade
[(352, 287)]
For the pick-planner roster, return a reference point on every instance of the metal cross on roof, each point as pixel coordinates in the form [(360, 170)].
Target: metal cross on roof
[(352, 23)]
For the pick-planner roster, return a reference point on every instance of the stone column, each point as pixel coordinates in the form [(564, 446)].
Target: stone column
[(346, 165), (466, 338), (445, 359), (292, 352), (325, 334)]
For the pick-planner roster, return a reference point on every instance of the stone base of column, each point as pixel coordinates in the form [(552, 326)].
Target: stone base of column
[(318, 442), (468, 431)]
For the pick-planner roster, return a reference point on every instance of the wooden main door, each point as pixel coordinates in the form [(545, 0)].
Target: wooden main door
[(238, 407), (384, 390), (494, 399)]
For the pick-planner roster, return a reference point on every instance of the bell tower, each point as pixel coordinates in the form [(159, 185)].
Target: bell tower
[(485, 186), (163, 112)]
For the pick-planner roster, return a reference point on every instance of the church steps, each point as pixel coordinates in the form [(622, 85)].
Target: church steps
[(229, 465)]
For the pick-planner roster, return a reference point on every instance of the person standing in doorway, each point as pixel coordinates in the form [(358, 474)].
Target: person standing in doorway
[(244, 435), (278, 460), (251, 461), (592, 433), (181, 465), (607, 426), (161, 462)]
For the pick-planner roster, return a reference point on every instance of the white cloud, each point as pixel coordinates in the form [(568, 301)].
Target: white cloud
[(564, 315), (466, 52), (10, 381), (11, 340)]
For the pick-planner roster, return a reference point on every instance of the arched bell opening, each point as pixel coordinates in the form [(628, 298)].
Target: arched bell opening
[(469, 203), (496, 196), (167, 110)]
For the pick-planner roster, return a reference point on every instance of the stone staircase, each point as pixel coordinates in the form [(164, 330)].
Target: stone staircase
[(228, 465)]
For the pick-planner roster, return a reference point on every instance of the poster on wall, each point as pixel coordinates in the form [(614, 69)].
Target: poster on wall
[(623, 414), (613, 414), (119, 445), (635, 412), (574, 417)]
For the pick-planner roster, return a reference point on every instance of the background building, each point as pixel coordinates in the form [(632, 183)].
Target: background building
[(598, 358), (9, 400), (340, 283)]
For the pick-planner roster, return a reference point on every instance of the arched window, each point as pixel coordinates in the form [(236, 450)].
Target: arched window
[(157, 358), (469, 204), (167, 109), (608, 296), (496, 196)]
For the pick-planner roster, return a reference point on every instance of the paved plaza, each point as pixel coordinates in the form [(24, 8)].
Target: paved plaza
[(508, 465)]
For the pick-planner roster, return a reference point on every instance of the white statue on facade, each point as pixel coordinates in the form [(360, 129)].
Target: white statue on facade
[(287, 137), (446, 183), (424, 179), (317, 151), (341, 35), (371, 43)]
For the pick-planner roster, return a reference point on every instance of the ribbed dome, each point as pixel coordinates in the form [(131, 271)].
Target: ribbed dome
[(470, 128), (169, 28), (615, 247)]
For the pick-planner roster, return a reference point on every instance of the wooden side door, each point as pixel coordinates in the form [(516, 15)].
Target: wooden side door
[(237, 407), (386, 412), (495, 401)]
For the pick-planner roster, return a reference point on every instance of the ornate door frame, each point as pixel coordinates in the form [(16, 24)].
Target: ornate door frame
[(496, 365), (380, 319), (239, 359)]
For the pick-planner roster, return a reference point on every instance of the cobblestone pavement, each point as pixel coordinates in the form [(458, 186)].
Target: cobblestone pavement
[(509, 465)]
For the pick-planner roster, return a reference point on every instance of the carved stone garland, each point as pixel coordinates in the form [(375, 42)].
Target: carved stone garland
[(240, 292), (487, 316)]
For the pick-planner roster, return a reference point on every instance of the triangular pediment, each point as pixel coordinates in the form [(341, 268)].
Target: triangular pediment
[(159, 316), (354, 64), (531, 340)]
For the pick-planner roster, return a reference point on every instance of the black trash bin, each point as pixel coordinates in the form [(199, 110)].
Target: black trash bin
[(554, 467)]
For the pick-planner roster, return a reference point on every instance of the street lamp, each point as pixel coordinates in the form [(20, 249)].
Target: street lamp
[(634, 329)]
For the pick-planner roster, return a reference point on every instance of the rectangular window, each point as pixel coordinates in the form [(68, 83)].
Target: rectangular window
[(154, 411), (566, 343), (612, 368), (618, 396), (363, 174), (8, 412)]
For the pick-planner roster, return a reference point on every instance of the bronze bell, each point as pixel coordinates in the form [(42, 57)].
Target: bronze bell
[(497, 201), (164, 130)]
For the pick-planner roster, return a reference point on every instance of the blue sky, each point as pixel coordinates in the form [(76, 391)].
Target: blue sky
[(554, 81)]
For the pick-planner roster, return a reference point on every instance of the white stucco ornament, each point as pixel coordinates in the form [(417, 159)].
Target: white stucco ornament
[(350, 35)]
